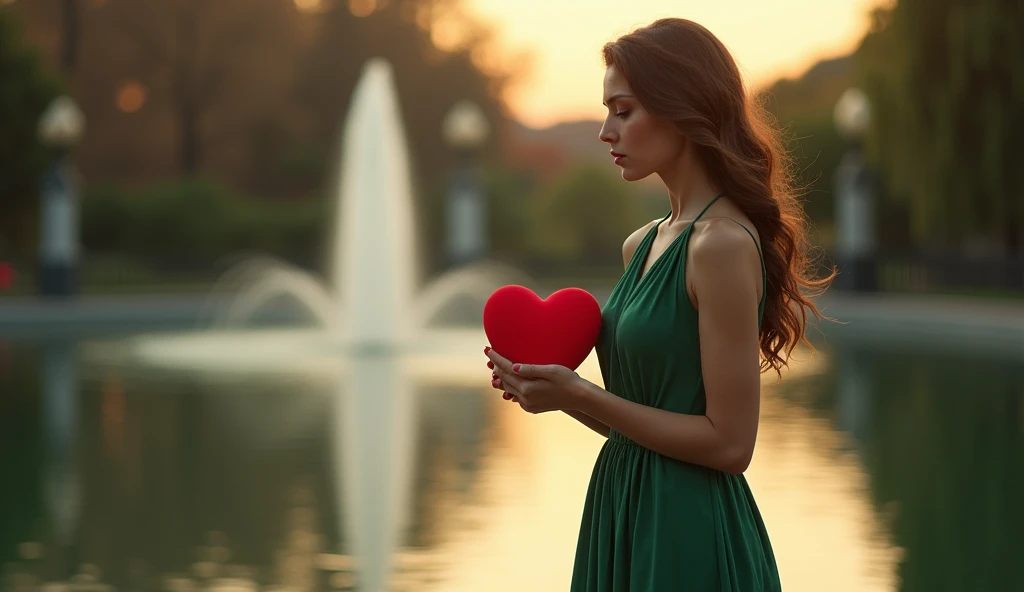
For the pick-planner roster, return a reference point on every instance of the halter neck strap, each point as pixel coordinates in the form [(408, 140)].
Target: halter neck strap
[(707, 207)]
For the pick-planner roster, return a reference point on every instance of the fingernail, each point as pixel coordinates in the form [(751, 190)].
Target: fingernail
[(487, 349), (490, 365), (494, 375), (506, 396), (515, 367)]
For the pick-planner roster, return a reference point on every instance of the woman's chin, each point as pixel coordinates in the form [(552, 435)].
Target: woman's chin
[(630, 175)]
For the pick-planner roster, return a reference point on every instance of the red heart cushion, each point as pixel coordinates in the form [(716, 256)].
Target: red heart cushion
[(526, 329)]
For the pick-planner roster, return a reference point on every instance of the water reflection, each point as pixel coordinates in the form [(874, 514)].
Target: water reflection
[(940, 440), (944, 446), (379, 414), (374, 432), (876, 470), (60, 416), (186, 479)]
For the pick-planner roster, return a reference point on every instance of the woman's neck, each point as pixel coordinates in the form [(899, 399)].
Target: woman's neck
[(689, 187)]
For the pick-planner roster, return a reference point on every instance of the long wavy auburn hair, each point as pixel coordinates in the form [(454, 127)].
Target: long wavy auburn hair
[(681, 72)]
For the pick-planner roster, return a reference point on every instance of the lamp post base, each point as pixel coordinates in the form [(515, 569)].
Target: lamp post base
[(857, 274), (466, 220), (58, 279)]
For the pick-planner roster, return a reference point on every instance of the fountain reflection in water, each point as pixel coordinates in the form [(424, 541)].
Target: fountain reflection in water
[(373, 330)]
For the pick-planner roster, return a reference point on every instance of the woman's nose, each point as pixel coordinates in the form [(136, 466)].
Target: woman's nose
[(606, 134)]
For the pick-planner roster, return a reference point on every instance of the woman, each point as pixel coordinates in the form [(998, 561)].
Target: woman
[(710, 298)]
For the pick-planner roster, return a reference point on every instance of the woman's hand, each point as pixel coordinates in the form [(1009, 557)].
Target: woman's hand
[(536, 388)]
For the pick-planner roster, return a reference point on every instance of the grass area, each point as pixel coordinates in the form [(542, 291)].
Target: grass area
[(982, 293), (123, 281)]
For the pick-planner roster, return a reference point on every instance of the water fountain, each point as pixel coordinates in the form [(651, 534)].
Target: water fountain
[(373, 333)]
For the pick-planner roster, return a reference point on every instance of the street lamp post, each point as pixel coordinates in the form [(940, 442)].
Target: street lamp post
[(465, 129), (855, 200), (60, 128)]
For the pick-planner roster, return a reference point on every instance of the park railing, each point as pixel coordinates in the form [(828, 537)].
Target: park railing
[(950, 273)]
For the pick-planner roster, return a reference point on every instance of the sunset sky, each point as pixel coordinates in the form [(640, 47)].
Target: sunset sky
[(564, 38)]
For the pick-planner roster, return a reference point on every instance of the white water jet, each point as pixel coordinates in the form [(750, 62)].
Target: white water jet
[(374, 265)]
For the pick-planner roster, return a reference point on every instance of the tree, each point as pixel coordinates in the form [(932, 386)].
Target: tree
[(208, 61), (946, 80), (803, 108), (171, 87), (584, 217), (252, 92), (26, 88)]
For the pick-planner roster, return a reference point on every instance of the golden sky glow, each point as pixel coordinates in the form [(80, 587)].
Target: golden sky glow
[(564, 39)]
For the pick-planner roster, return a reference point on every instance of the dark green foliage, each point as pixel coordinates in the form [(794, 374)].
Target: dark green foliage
[(26, 89), (946, 78), (584, 217), (803, 108), (196, 222)]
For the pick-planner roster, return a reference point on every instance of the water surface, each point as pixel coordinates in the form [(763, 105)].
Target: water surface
[(877, 469)]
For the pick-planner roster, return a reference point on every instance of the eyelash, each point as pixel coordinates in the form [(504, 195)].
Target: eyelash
[(622, 114)]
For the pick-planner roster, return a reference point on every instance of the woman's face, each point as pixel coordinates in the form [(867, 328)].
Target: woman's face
[(641, 144)]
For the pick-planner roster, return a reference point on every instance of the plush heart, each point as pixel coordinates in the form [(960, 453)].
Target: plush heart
[(524, 328)]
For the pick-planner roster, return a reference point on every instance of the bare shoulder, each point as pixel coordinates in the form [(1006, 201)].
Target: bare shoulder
[(718, 238), (633, 241), (722, 253)]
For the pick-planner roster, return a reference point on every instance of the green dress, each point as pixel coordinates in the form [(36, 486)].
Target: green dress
[(651, 523)]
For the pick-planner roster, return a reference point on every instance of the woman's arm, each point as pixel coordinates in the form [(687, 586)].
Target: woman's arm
[(588, 421), (689, 438), (725, 272)]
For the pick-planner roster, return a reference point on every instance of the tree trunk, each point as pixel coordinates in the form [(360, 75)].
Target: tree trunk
[(188, 120), (187, 94), (69, 49)]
